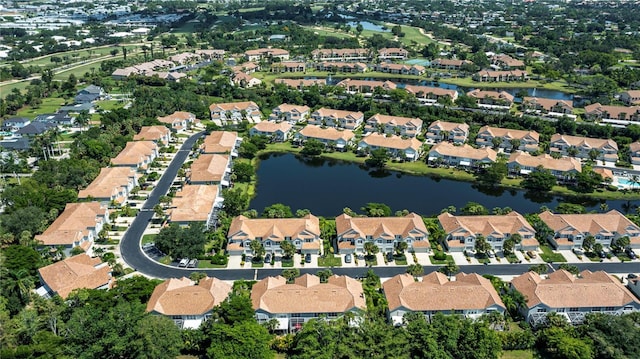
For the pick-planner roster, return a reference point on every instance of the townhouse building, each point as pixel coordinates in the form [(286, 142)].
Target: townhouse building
[(498, 76), (246, 67), (235, 112), (572, 297), (158, 134), (469, 295), (564, 169), (630, 97), (634, 149), (392, 53), (112, 186), (448, 154), (409, 149), (137, 155), (341, 55), (432, 94), (195, 203), (77, 272), (570, 230), (395, 125), (506, 62), (288, 66), (346, 67), (487, 98), (210, 169), (303, 233), (14, 124), (463, 231), (276, 131), (584, 147), (179, 120), (301, 84), (266, 54), (401, 69), (339, 139), (221, 142), (213, 54), (548, 106), (384, 232), (185, 58), (290, 113), (522, 140), (616, 115), (243, 80), (449, 64), (294, 304), (366, 87), (447, 131), (336, 118), (186, 303), (77, 226)]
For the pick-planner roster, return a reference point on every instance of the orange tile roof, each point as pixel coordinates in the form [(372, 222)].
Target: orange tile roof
[(76, 272), (152, 133), (220, 142), (395, 120), (176, 116), (409, 225), (275, 229), (109, 182), (578, 141), (547, 103), (209, 168), (307, 295), (394, 142), (193, 203), (449, 126), (270, 127), (182, 297), (329, 112), (563, 164), (481, 94), (233, 106), (510, 133), (510, 224), (438, 91), (285, 107), (610, 222), (329, 133), (436, 292), (134, 153), (73, 223), (464, 151)]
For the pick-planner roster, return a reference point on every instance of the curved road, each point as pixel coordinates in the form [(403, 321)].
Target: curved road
[(133, 255)]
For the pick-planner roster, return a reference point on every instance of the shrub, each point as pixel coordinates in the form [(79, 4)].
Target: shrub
[(440, 256)]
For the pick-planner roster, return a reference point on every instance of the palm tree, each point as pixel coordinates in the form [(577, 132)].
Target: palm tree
[(371, 249), (415, 270), (21, 283), (450, 269), (82, 120)]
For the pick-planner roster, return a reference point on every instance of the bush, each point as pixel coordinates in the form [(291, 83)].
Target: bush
[(439, 256), (219, 259)]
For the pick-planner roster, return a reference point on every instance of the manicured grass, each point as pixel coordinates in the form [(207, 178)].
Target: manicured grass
[(412, 34), (148, 238), (483, 260), (371, 260), (327, 31), (401, 260), (165, 260), (208, 264), (548, 255), (468, 82), (592, 256), (257, 265), (512, 258), (329, 260), (49, 105), (109, 105), (517, 354), (287, 263), (434, 261)]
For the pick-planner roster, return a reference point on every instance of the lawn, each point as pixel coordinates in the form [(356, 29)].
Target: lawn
[(208, 264), (401, 260), (548, 255), (49, 105), (109, 105), (517, 354), (257, 264), (371, 260), (512, 258), (468, 82), (434, 261), (329, 260), (148, 238), (287, 263)]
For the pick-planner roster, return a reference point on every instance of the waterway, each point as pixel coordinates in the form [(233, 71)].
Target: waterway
[(366, 25), (326, 187)]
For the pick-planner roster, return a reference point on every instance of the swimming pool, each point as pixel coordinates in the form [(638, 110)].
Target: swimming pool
[(627, 183), (421, 62)]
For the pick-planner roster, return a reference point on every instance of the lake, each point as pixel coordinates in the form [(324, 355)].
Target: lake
[(366, 25), (325, 187)]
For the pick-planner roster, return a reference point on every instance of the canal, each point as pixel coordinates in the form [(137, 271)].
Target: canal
[(326, 187)]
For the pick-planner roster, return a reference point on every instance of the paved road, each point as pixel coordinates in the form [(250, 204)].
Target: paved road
[(135, 258)]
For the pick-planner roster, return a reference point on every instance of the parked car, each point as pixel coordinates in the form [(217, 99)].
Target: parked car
[(602, 254), (307, 258), (632, 276), (631, 253), (490, 254), (183, 262), (389, 257), (192, 263), (578, 251), (532, 254), (348, 258), (267, 258)]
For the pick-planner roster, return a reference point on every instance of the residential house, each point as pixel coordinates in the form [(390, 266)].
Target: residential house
[(340, 139), (506, 62), (185, 58), (186, 303), (448, 154), (246, 67), (243, 80), (403, 126), (288, 66), (89, 94), (400, 69), (631, 97), (300, 84), (290, 113), (611, 113), (385, 232), (564, 169), (570, 230), (157, 134), (113, 185), (336, 118), (584, 147), (137, 155), (392, 53), (77, 272), (77, 226), (548, 106), (365, 86), (449, 64), (432, 94), (497, 76), (448, 131), (34, 129), (634, 286), (406, 149), (341, 55), (57, 119), (348, 67), (266, 54), (463, 231), (469, 295), (487, 98), (14, 124), (179, 120), (221, 142), (293, 304), (303, 233), (211, 54), (210, 169), (522, 140), (235, 112), (634, 154), (195, 203), (276, 131), (572, 297)]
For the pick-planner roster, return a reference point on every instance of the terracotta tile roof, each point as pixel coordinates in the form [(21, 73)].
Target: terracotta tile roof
[(597, 109), (270, 127), (341, 52), (329, 133), (134, 153), (285, 107), (438, 91), (604, 172), (193, 203), (79, 271), (436, 292), (182, 297), (564, 164), (634, 147), (266, 51), (563, 290), (367, 83), (579, 141), (450, 62), (410, 225), (233, 106), (209, 168), (275, 229), (481, 94), (301, 82), (392, 50), (394, 142), (449, 126), (176, 116), (328, 112), (111, 181), (610, 222), (307, 295), (509, 133), (220, 142), (395, 120), (464, 151), (152, 133), (502, 225), (73, 223), (547, 103)]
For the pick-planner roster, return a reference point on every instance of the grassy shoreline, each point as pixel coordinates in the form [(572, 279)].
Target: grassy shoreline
[(419, 168)]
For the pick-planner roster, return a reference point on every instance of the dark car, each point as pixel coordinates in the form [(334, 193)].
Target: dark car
[(631, 254), (267, 258), (632, 276), (389, 257), (347, 258), (601, 254), (307, 258)]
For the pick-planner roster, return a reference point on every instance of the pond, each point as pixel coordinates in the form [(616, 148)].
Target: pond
[(366, 25), (326, 187)]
